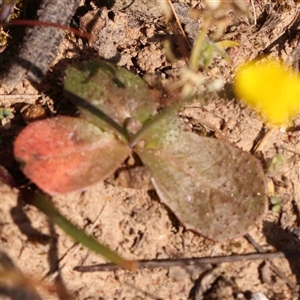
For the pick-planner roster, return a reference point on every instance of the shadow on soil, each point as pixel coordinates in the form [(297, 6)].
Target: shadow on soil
[(286, 242), (24, 224)]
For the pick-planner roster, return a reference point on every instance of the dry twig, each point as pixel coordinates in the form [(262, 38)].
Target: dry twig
[(167, 263)]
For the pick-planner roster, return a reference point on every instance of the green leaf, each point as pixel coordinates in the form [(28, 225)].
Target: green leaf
[(227, 44), (118, 93), (77, 234), (213, 187), (64, 154), (209, 50), (162, 130)]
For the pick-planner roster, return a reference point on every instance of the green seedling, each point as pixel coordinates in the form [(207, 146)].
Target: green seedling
[(275, 163), (4, 113), (276, 204), (213, 187)]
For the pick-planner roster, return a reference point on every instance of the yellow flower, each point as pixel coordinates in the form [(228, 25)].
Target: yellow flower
[(271, 89)]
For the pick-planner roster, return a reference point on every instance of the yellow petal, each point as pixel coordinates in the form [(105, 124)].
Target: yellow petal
[(271, 89)]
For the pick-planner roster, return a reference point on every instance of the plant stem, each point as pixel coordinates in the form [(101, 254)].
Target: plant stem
[(196, 50), (42, 203), (169, 110)]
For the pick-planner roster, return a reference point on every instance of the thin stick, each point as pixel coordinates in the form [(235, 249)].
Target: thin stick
[(297, 153), (77, 32), (179, 24), (262, 142), (254, 12), (274, 268), (8, 100), (296, 57), (167, 263)]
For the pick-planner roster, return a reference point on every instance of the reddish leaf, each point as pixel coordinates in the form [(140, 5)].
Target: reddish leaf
[(64, 154)]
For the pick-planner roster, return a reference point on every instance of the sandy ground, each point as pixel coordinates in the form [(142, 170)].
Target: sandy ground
[(124, 213)]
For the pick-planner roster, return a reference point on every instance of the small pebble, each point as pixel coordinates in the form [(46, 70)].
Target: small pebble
[(32, 113)]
